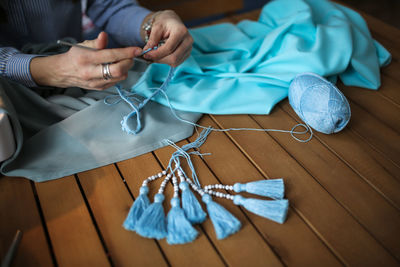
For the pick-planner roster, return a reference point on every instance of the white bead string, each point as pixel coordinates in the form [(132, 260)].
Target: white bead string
[(208, 190), (219, 194), (218, 186), (154, 177), (164, 183), (176, 186), (193, 185)]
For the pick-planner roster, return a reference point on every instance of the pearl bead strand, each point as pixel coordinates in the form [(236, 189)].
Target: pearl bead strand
[(209, 190), (164, 183), (154, 177)]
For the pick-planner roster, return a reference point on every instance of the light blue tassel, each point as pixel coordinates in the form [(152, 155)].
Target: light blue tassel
[(275, 210), (193, 210), (139, 206), (268, 188), (180, 230), (152, 222), (224, 222)]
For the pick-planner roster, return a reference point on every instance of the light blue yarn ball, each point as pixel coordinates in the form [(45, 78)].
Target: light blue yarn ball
[(319, 103)]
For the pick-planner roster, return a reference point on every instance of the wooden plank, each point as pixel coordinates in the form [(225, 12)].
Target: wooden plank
[(229, 164), (392, 71), (390, 86), (135, 171), (258, 252), (376, 105), (380, 173), (195, 9), (18, 211), (387, 43), (376, 25), (377, 134), (72, 233), (325, 215), (252, 15), (340, 181), (110, 201)]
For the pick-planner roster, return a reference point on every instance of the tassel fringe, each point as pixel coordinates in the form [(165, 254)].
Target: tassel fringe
[(152, 222), (149, 220), (267, 188), (180, 230), (139, 206), (191, 205), (224, 222), (275, 210)]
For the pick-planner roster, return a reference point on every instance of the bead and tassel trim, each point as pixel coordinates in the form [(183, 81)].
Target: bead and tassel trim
[(149, 219)]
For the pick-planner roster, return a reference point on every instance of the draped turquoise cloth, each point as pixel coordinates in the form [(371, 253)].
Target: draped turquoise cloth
[(247, 68)]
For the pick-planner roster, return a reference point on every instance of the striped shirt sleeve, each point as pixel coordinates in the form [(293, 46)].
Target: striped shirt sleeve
[(15, 65)]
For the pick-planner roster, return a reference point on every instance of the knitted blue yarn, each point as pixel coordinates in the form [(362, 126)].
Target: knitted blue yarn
[(193, 210), (139, 206), (319, 103), (275, 210), (273, 188), (152, 223), (223, 221), (180, 230)]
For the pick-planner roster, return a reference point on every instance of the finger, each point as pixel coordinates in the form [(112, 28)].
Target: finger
[(120, 69), (115, 54), (178, 56), (186, 55), (155, 37), (101, 41), (179, 34), (101, 83)]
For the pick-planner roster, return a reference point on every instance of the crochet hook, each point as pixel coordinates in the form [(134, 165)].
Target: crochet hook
[(12, 250), (94, 49), (76, 45)]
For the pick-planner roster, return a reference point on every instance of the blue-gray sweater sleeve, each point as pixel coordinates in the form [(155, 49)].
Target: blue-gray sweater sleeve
[(119, 18)]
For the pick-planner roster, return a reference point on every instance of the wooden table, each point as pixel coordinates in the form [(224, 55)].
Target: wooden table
[(344, 193)]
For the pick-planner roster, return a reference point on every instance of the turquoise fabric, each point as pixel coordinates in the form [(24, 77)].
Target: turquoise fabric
[(247, 68)]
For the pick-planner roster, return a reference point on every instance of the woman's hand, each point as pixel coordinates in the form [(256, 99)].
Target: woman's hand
[(178, 42), (84, 68)]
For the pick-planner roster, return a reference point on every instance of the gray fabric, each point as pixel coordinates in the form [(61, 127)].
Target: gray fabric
[(59, 135)]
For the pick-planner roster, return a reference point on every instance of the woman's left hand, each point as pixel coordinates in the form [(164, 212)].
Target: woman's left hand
[(178, 41)]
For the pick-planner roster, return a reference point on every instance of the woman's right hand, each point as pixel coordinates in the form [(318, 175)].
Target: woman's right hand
[(84, 68)]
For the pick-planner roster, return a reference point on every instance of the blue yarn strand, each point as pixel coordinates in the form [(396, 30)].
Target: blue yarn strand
[(162, 89), (292, 131)]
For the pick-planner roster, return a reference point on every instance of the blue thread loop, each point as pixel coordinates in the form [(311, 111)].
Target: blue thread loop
[(136, 108)]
